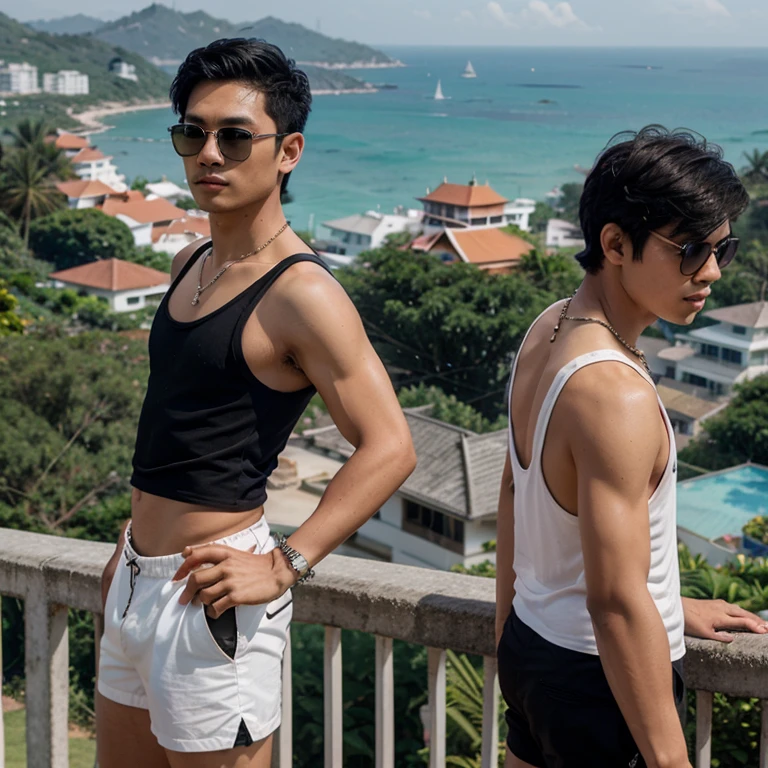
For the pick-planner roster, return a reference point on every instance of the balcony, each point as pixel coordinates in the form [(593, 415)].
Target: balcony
[(436, 609)]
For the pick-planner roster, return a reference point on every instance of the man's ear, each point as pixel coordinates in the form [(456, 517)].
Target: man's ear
[(290, 152), (613, 241)]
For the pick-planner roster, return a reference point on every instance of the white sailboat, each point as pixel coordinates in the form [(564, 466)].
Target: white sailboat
[(439, 93), (469, 71)]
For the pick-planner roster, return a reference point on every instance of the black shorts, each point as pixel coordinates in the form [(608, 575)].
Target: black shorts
[(562, 713)]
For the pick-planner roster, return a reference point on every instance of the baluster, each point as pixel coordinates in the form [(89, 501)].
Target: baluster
[(2, 731), (332, 694), (703, 729), (282, 747), (436, 658), (46, 644), (385, 704), (490, 754)]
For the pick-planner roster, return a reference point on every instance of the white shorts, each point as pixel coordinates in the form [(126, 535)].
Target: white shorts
[(208, 684)]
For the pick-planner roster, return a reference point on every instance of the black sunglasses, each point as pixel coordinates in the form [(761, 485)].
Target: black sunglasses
[(695, 255), (233, 143)]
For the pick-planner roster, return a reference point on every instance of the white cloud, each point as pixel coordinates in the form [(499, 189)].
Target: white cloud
[(426, 15), (559, 15), (500, 15), (466, 16), (540, 13), (703, 8)]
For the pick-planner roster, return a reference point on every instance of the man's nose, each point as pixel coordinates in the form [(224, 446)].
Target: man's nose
[(210, 154)]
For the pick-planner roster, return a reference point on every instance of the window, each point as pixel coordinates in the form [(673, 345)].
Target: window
[(434, 526), (697, 381), (133, 300), (739, 330), (710, 350), (479, 222), (669, 371), (497, 219), (731, 356)]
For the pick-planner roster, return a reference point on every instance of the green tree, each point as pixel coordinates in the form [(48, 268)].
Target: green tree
[(454, 326), (10, 322), (72, 237), (557, 273), (448, 408), (540, 216), (569, 202), (38, 135), (27, 187), (737, 434), (757, 167)]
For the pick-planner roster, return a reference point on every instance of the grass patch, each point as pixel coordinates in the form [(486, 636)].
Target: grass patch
[(82, 752)]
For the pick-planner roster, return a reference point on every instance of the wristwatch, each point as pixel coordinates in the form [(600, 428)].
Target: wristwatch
[(296, 559)]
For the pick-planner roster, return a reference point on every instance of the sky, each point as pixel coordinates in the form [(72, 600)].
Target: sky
[(702, 23)]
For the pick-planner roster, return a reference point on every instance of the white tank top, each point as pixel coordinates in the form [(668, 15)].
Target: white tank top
[(550, 587)]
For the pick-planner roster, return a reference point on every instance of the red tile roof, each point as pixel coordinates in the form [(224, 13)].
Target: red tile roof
[(143, 211), (488, 246), (464, 195), (112, 275), (68, 141), (88, 155), (192, 225), (78, 189)]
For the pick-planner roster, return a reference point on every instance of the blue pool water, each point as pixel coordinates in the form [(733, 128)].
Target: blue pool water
[(721, 503)]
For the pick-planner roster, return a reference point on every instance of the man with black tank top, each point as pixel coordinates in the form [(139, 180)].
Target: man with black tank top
[(590, 621), (197, 594)]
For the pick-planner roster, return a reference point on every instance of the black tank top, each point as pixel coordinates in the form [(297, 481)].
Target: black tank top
[(210, 432)]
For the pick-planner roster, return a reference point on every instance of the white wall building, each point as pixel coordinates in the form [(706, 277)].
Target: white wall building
[(518, 212), (122, 69), (735, 349), (352, 235), (563, 234), (66, 82), (84, 193), (445, 513), (19, 78), (167, 190), (124, 285), (141, 215), (90, 164)]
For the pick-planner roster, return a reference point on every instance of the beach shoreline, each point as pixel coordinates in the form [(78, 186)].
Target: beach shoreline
[(92, 119)]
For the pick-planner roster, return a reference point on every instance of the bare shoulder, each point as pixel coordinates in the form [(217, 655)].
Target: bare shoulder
[(308, 290), (184, 255), (611, 401)]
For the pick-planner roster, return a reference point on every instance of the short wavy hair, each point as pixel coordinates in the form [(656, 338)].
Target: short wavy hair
[(653, 178), (288, 99)]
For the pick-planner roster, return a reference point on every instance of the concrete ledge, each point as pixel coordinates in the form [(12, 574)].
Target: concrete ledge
[(433, 608)]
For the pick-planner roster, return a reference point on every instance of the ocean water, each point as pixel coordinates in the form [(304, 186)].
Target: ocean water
[(525, 122)]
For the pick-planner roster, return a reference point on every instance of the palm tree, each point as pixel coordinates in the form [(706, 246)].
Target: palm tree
[(754, 263), (757, 166), (27, 187), (37, 134)]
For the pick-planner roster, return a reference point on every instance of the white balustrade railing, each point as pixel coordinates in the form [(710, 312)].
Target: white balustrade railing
[(432, 608)]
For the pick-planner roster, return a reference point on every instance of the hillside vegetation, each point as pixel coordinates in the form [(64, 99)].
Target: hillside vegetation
[(163, 35)]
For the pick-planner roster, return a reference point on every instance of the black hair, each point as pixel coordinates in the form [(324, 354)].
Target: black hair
[(287, 95), (653, 178)]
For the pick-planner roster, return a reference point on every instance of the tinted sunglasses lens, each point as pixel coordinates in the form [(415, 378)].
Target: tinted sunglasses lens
[(695, 255), (727, 252), (235, 143), (187, 139)]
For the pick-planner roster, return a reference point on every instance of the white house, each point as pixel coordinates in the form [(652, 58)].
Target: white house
[(122, 69), (445, 512), (171, 238), (168, 190), (563, 234), (18, 78), (125, 286), (69, 143), (91, 164), (84, 193), (66, 82), (473, 205), (142, 215), (354, 234), (732, 350)]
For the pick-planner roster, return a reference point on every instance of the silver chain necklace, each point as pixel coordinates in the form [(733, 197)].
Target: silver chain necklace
[(565, 316), (201, 287)]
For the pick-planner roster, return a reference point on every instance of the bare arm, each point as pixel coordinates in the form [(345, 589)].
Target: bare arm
[(334, 352), (505, 549), (618, 433)]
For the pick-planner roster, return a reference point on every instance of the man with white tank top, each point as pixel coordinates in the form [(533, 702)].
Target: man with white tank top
[(590, 621)]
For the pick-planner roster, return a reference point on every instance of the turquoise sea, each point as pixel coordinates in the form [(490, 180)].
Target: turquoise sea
[(529, 117)]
